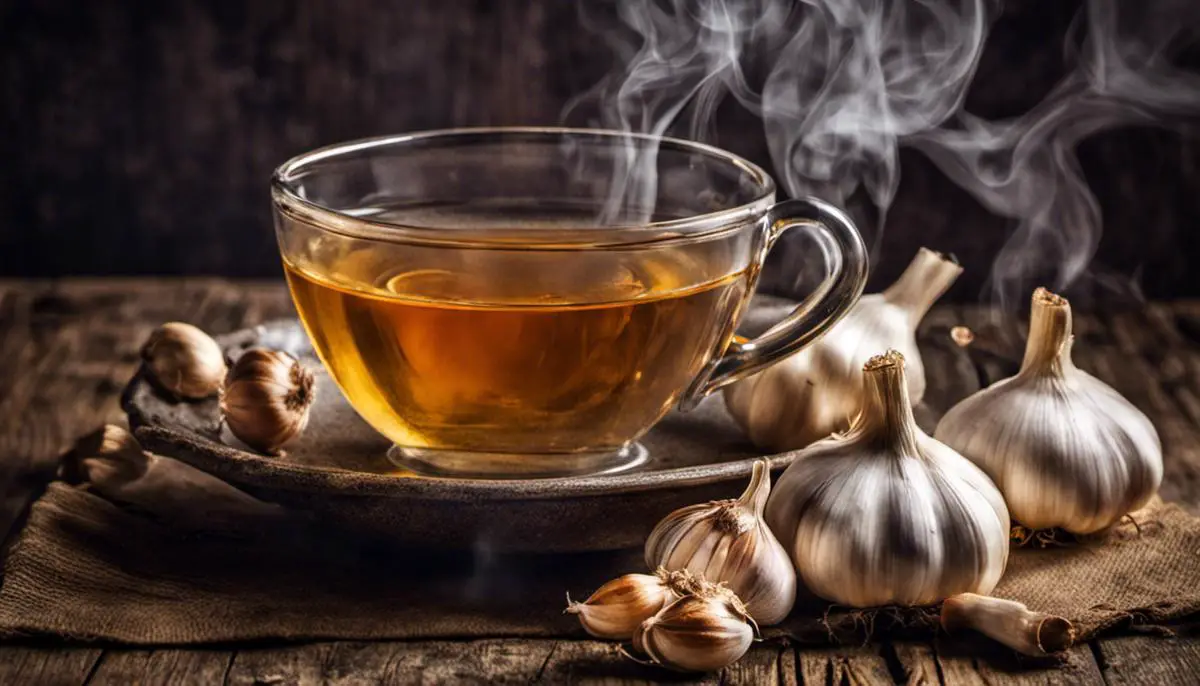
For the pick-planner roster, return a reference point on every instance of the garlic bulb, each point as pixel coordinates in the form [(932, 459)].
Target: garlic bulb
[(618, 607), (727, 540), (885, 514), (184, 360), (109, 453), (267, 398), (816, 391), (706, 630), (1065, 449)]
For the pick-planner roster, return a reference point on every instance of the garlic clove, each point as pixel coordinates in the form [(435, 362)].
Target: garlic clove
[(702, 632), (728, 541), (1010, 623), (886, 515), (618, 607), (108, 454), (267, 399), (817, 391), (1065, 449), (184, 361)]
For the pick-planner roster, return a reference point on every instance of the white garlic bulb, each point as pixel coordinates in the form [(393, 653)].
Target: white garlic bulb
[(1065, 449), (728, 541), (886, 515), (184, 361), (618, 607), (703, 631), (818, 390)]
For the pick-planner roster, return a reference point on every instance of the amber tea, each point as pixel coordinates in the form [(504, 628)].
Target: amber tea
[(493, 362)]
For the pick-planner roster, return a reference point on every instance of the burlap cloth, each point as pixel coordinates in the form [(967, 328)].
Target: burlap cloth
[(86, 568)]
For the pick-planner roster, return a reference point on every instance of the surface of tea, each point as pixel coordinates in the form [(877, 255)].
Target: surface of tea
[(569, 354)]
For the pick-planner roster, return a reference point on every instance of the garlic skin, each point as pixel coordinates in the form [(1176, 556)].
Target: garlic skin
[(818, 390), (701, 632), (267, 398), (618, 607), (184, 360), (728, 541), (886, 515), (1065, 449)]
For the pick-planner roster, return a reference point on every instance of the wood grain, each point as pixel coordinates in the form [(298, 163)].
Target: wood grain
[(67, 348)]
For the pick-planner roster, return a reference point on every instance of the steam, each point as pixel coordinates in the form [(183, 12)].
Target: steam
[(1026, 168), (840, 85)]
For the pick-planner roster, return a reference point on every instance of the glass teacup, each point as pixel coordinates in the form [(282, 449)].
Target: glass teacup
[(527, 302)]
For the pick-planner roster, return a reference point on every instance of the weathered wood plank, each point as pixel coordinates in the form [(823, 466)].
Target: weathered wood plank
[(46, 665), (919, 664), (969, 661), (165, 667), (850, 665), (1150, 659)]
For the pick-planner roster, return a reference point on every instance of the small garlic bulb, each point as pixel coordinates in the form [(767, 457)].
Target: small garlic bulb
[(703, 631), (184, 360), (1065, 449), (727, 540), (818, 390), (886, 515), (618, 607), (267, 398), (109, 453)]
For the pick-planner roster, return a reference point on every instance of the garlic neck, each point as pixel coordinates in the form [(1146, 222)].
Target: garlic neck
[(1048, 350), (887, 415), (755, 497), (925, 279)]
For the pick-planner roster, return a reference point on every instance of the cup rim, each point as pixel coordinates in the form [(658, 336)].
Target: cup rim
[(671, 231)]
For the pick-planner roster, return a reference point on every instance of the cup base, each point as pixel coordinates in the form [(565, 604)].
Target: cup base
[(487, 465)]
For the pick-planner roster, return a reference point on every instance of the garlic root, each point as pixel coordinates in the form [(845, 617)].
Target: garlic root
[(1010, 623)]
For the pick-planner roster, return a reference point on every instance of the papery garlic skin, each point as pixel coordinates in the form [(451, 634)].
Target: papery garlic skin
[(817, 391), (1065, 449), (618, 607), (184, 360), (885, 514), (728, 541), (267, 398), (701, 632)]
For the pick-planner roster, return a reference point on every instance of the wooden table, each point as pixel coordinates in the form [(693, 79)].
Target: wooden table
[(68, 347)]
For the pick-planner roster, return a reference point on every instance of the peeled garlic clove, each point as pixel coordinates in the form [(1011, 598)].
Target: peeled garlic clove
[(184, 360), (707, 630), (728, 541), (618, 607), (817, 391), (886, 515), (1065, 449), (267, 398)]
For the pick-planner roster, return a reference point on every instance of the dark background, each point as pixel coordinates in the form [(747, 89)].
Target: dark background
[(138, 137)]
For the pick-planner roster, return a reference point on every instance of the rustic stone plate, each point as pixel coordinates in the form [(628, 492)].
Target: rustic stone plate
[(338, 469)]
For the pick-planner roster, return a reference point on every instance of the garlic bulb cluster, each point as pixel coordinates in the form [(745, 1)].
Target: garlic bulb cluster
[(702, 631), (1065, 449), (817, 391), (184, 361), (267, 398), (618, 607), (886, 515), (728, 541)]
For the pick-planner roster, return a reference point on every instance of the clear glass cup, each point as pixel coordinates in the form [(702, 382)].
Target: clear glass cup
[(527, 302)]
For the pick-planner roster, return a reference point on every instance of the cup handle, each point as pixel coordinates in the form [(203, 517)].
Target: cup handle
[(845, 259)]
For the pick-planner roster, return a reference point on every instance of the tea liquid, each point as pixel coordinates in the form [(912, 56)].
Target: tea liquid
[(433, 358)]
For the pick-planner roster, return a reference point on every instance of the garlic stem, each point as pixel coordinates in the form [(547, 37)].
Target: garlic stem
[(756, 494), (1010, 623), (887, 414), (1048, 350), (926, 278)]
